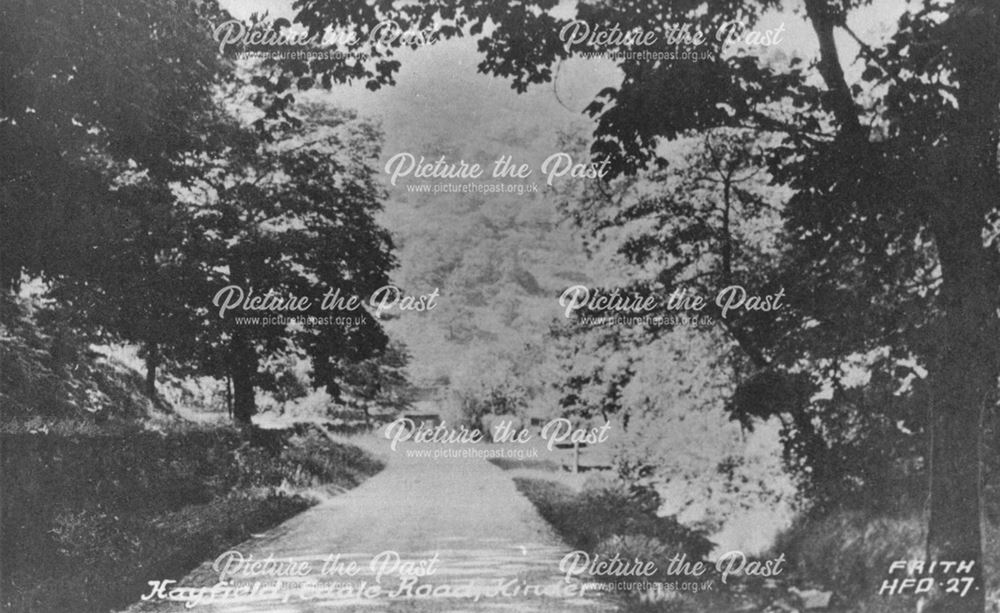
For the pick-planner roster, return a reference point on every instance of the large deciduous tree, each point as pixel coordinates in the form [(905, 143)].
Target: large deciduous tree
[(85, 88), (293, 217), (98, 103)]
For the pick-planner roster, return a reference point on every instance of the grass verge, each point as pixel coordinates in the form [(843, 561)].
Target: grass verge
[(86, 533)]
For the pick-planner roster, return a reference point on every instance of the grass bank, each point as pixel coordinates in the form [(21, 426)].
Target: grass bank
[(89, 519), (844, 552), (605, 518)]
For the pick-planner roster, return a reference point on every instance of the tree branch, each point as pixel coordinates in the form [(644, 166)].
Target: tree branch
[(844, 108)]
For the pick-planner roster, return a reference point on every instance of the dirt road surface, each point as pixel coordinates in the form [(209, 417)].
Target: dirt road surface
[(465, 538)]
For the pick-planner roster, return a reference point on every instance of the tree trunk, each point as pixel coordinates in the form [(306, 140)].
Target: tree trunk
[(966, 377), (152, 361), (243, 357), (229, 394), (243, 371), (963, 387)]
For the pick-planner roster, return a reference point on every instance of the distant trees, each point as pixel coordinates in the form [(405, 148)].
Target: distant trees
[(499, 259), (377, 383), (493, 382)]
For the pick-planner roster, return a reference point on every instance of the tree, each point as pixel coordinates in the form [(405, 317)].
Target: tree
[(293, 217), (95, 131), (137, 195), (378, 382), (87, 89), (708, 220), (138, 284), (899, 164)]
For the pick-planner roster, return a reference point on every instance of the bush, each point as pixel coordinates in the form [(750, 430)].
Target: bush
[(850, 552), (608, 514), (50, 374), (637, 547), (316, 461), (489, 385)]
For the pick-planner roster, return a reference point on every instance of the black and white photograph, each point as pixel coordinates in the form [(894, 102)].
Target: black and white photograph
[(451, 306)]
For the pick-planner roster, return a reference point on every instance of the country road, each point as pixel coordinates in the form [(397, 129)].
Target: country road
[(466, 540)]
